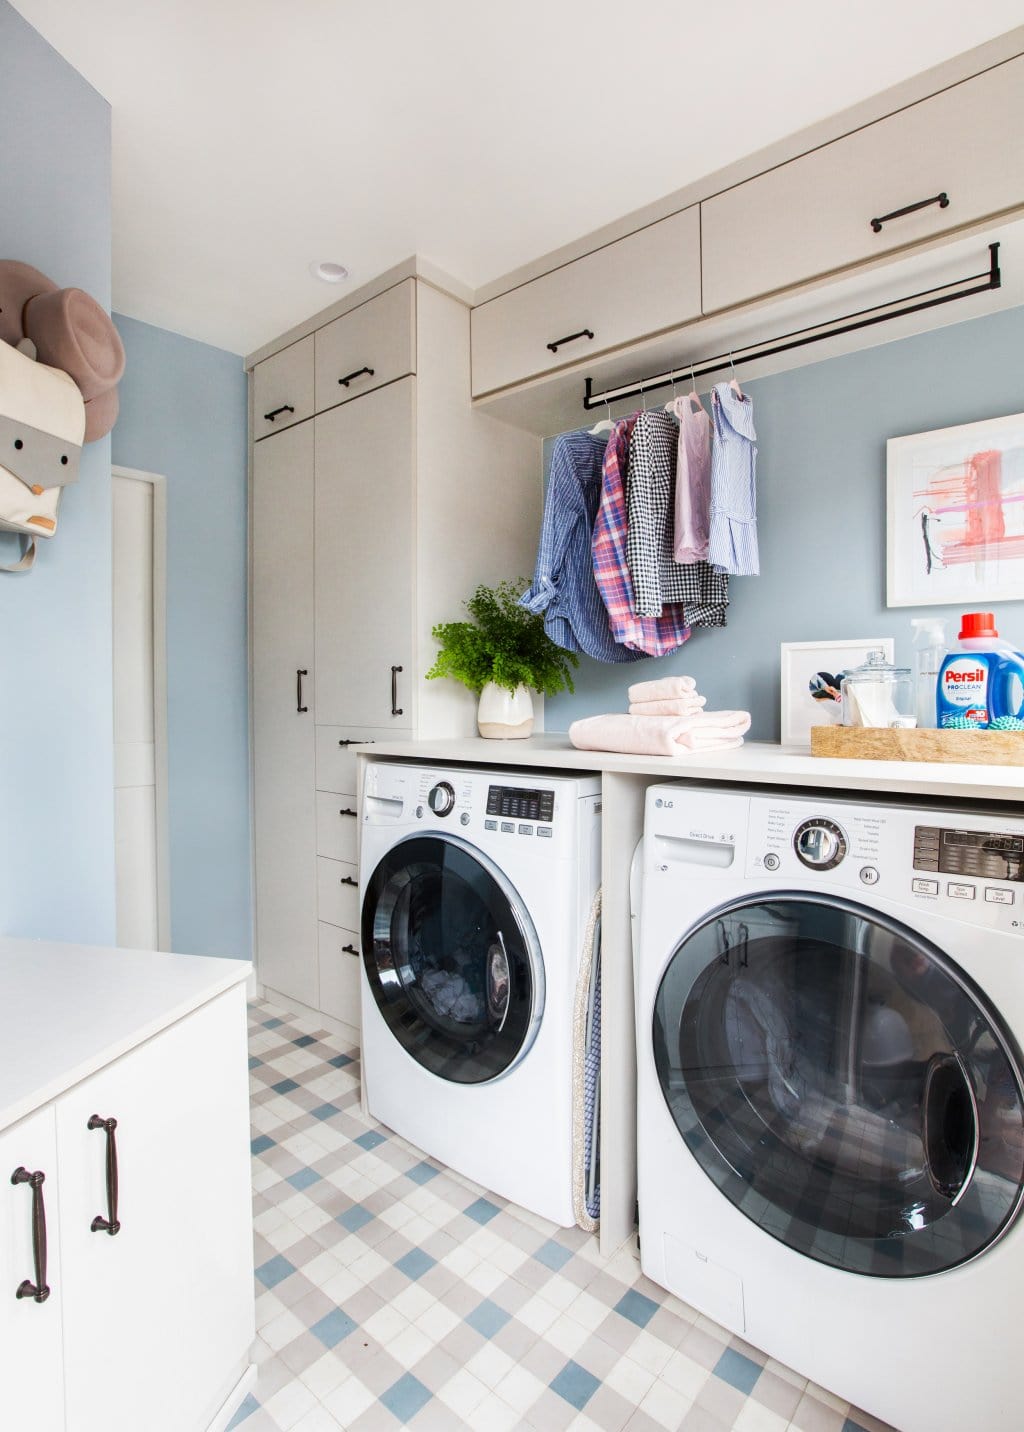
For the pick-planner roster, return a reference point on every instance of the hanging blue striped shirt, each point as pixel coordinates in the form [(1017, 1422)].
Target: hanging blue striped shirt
[(732, 529)]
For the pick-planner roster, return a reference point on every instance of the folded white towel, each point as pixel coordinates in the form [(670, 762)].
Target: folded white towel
[(654, 735), (681, 706), (666, 689)]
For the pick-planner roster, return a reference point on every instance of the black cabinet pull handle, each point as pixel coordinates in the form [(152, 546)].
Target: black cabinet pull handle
[(357, 374), (347, 880), (284, 408), (941, 199), (354, 741), (299, 674), (396, 710), (110, 1224), (37, 1291), (346, 811), (349, 949), (583, 333)]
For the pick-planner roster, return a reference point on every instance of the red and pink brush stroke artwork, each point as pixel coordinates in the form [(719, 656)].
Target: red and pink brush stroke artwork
[(971, 512)]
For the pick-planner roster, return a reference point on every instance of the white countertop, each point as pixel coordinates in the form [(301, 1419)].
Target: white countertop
[(755, 762), (67, 1010)]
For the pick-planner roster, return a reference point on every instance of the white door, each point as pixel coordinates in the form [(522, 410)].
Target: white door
[(282, 705), (158, 1318), (32, 1383), (139, 684)]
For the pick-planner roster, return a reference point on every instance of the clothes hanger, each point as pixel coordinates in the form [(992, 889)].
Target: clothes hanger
[(670, 406), (693, 395), (603, 425), (734, 382)]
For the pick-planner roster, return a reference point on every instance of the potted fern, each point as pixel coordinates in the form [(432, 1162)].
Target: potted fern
[(502, 654)]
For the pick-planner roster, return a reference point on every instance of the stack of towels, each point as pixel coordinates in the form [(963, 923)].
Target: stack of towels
[(666, 718)]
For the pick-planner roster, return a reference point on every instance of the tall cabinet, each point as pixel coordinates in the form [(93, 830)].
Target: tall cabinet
[(379, 500)]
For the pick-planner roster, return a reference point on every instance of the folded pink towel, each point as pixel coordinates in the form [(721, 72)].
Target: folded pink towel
[(681, 706), (652, 735), (667, 689)]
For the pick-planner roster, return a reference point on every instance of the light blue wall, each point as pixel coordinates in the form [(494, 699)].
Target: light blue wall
[(821, 513), (184, 414), (56, 742)]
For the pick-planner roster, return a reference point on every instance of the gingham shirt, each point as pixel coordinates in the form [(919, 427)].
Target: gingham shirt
[(563, 586), (652, 635), (650, 500), (732, 531)]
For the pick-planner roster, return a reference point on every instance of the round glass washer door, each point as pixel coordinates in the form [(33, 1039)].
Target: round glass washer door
[(843, 1083), (452, 958)]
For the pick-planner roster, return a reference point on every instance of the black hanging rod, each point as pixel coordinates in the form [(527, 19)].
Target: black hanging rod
[(800, 337)]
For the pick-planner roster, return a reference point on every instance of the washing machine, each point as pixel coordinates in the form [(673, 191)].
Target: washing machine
[(830, 1006), (476, 889)]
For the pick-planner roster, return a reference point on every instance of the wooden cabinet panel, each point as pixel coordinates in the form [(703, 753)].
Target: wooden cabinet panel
[(813, 215), (642, 284), (336, 758), (337, 828), (365, 455), (340, 973), (379, 335), (281, 383), (337, 892), (283, 736)]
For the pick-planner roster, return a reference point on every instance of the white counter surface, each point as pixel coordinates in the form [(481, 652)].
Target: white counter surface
[(755, 762), (67, 1010)]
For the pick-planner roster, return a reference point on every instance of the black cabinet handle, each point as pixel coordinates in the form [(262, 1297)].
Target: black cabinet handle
[(357, 374), (346, 811), (37, 1291), (284, 408), (347, 880), (109, 1224), (396, 710), (354, 740), (583, 333), (350, 949), (941, 199), (299, 674)]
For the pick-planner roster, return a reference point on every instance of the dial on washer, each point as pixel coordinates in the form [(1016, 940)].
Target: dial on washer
[(441, 798), (819, 844)]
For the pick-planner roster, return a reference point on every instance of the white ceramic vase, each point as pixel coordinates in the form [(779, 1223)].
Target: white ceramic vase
[(505, 715)]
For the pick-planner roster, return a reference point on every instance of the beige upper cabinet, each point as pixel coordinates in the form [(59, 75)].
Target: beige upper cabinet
[(282, 389), (642, 284), (814, 215), (367, 347)]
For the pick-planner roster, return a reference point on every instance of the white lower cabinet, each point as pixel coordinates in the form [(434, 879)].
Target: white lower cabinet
[(148, 1326), (339, 973)]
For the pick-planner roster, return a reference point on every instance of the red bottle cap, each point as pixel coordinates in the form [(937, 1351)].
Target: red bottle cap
[(977, 624)]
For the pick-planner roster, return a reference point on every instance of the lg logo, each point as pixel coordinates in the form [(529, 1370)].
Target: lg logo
[(668, 805)]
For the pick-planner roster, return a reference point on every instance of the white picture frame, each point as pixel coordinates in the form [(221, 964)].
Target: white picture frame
[(800, 662), (955, 515)]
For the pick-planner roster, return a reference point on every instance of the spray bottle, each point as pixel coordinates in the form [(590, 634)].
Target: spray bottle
[(929, 649), (982, 683)]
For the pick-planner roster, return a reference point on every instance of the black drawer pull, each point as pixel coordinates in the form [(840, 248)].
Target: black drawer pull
[(346, 811), (284, 408), (109, 1224), (357, 374), (299, 674), (941, 199), (583, 333), (347, 880), (37, 1291), (349, 950), (396, 710), (354, 741)]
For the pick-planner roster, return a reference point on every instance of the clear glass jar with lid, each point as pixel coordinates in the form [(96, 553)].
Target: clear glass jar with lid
[(878, 694)]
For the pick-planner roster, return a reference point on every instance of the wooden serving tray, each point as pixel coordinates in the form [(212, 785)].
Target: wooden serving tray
[(869, 743)]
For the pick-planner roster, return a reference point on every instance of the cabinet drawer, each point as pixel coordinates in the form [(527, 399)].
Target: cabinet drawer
[(642, 284), (336, 827), (337, 902), (339, 973), (283, 389), (379, 335), (814, 214)]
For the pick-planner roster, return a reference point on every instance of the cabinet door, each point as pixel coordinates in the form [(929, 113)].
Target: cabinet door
[(159, 1318), (340, 967), (813, 215), (283, 389), (32, 1383), (364, 560), (642, 284), (366, 348), (283, 736)]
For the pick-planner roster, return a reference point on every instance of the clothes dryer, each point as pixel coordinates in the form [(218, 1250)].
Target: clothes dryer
[(830, 1007), (476, 889)]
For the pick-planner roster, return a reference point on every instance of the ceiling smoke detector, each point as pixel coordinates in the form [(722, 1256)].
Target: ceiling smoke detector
[(329, 272)]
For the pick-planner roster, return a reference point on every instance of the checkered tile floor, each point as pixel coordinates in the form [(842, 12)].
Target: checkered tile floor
[(392, 1292)]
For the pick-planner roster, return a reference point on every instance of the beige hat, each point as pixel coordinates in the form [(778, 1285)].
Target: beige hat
[(72, 332), (18, 283), (101, 415)]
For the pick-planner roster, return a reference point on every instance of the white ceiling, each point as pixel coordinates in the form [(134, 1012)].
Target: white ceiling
[(254, 136)]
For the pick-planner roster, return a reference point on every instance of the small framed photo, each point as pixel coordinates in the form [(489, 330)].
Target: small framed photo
[(955, 515), (811, 673)]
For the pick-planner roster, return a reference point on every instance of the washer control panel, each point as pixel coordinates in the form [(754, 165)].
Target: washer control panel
[(820, 844), (521, 804)]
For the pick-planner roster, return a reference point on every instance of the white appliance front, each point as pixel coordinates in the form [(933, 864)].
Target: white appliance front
[(830, 1003), (475, 888)]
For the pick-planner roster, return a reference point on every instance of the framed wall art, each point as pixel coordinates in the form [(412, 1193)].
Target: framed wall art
[(811, 673), (955, 515)]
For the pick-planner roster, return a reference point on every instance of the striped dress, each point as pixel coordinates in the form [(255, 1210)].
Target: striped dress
[(732, 532)]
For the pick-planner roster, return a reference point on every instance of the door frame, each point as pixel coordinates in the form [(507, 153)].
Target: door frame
[(160, 763)]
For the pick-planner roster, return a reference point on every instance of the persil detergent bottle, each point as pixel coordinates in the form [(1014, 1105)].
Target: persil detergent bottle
[(982, 683)]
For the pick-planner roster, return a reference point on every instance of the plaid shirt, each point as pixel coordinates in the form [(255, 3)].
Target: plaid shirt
[(655, 636)]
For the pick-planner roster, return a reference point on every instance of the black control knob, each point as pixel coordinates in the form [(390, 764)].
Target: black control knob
[(441, 798)]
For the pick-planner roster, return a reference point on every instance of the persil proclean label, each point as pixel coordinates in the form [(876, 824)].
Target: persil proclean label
[(964, 686)]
